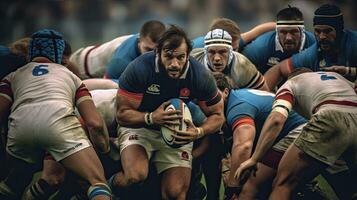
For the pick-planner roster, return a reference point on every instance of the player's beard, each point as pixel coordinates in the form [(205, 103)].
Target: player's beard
[(173, 69), (332, 46)]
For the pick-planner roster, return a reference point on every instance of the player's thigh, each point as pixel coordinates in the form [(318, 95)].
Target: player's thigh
[(86, 164), (134, 159), (297, 166)]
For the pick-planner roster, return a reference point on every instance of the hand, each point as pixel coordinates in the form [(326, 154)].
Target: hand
[(162, 117), (338, 69), (183, 137), (245, 169)]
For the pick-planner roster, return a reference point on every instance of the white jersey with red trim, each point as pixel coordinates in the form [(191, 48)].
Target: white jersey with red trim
[(37, 83), (92, 60), (309, 92), (105, 101)]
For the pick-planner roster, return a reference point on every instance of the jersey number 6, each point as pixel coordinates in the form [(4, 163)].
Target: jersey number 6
[(40, 70)]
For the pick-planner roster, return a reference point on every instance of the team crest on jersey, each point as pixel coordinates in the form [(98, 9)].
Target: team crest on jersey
[(185, 156), (273, 61), (184, 93), (153, 89)]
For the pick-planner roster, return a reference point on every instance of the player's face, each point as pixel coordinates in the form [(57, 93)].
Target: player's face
[(325, 36), (146, 44), (218, 57), (174, 61), (289, 38)]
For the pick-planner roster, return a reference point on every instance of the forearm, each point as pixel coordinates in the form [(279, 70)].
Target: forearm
[(258, 30), (99, 137), (213, 124), (130, 117), (239, 155), (268, 135)]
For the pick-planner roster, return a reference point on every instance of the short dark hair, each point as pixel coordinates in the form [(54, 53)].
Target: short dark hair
[(223, 81), (228, 25), (172, 39), (289, 13), (152, 29), (299, 71)]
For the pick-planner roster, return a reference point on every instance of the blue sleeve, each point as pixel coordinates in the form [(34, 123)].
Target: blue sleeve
[(116, 67), (198, 117), (242, 45), (198, 42), (9, 62), (306, 58), (123, 55), (258, 50), (310, 39), (130, 80), (239, 109)]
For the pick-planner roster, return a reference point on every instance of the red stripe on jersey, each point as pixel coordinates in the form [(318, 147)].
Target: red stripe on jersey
[(131, 95), (86, 67), (290, 65), (81, 92), (286, 95), (259, 83), (242, 121), (212, 101), (335, 102), (5, 88)]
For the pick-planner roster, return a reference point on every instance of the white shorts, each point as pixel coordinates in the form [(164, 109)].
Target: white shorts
[(37, 128), (164, 156)]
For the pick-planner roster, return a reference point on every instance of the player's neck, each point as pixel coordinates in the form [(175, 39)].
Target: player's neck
[(41, 60)]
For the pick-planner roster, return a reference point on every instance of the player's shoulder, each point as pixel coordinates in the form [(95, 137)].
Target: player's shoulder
[(264, 39)]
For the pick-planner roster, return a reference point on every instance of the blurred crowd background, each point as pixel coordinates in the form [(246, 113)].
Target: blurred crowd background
[(87, 22)]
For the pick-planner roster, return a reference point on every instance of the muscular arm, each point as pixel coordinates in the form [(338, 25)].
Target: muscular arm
[(215, 117), (275, 74), (256, 31), (127, 113), (243, 137), (270, 131), (97, 129)]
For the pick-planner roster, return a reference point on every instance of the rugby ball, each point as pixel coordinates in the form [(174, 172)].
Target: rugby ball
[(166, 134)]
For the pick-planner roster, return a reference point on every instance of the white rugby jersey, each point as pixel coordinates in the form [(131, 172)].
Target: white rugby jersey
[(37, 83), (241, 70), (105, 101), (309, 92), (92, 60)]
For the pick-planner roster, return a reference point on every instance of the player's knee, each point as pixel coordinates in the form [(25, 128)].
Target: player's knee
[(99, 189), (175, 191), (136, 177)]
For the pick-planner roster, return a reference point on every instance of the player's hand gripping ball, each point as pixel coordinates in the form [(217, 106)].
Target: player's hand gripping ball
[(166, 133)]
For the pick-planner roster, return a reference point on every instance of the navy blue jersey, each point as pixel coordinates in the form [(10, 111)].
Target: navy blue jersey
[(315, 59), (123, 55), (146, 81), (253, 107), (264, 53), (9, 62)]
